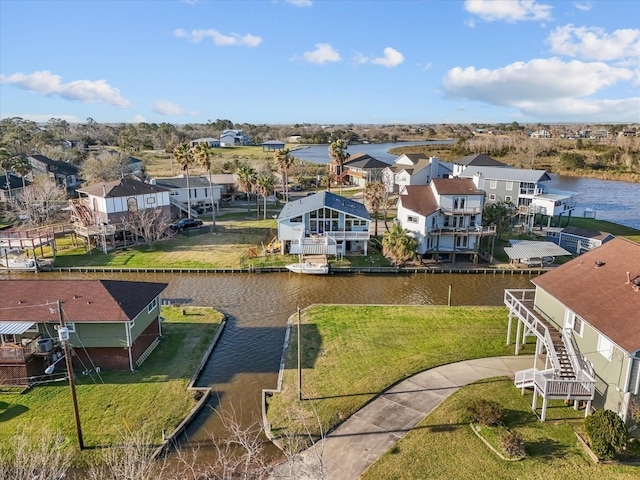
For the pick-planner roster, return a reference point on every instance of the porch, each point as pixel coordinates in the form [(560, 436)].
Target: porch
[(565, 374)]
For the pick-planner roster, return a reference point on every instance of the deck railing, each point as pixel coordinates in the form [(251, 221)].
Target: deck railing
[(583, 387), (12, 354)]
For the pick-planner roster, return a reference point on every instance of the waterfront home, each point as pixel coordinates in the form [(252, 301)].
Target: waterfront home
[(585, 318), (272, 146), (324, 224), (113, 325), (64, 174), (527, 189), (476, 160), (577, 240), (445, 218), (212, 142), (413, 169), (362, 168), (203, 196), (234, 138)]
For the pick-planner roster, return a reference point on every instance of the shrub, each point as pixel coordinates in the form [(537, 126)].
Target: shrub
[(512, 444), (485, 412), (607, 432)]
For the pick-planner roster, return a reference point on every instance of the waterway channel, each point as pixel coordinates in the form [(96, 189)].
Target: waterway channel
[(247, 356)]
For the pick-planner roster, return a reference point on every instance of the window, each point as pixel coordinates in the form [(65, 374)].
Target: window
[(412, 219), (151, 200), (578, 326), (173, 193), (492, 197), (508, 199), (152, 305), (459, 203), (493, 184), (509, 186), (132, 204), (605, 347), (70, 326)]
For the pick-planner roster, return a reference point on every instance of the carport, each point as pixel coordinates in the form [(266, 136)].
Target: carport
[(534, 253)]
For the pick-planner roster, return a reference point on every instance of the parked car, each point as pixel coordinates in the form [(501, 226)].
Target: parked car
[(185, 223)]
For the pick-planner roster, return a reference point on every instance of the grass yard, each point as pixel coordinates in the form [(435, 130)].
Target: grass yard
[(443, 445), (351, 353), (154, 397)]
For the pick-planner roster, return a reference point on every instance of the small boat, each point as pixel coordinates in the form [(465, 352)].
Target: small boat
[(18, 263), (310, 268)]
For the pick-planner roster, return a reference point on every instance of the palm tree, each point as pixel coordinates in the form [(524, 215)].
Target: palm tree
[(264, 185), (284, 161), (246, 179), (6, 162), (203, 153), (328, 179), (22, 167), (397, 245), (338, 154), (374, 193), (184, 156)]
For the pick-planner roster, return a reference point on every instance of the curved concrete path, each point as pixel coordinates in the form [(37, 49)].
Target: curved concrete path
[(347, 451)]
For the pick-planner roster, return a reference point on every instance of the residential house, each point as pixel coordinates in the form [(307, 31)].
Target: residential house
[(577, 240), (102, 208), (413, 169), (541, 134), (362, 168), (585, 315), (476, 160), (234, 138), (200, 193), (325, 224), (10, 187), (212, 142), (526, 189), (228, 182), (272, 146), (112, 324), (445, 217), (64, 174)]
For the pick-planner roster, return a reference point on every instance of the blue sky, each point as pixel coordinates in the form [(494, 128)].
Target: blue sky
[(321, 61)]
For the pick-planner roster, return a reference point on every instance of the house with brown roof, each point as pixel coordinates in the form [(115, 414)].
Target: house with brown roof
[(445, 217), (585, 316), (112, 324)]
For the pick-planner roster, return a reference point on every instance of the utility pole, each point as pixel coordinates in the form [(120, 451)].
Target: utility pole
[(63, 333), (299, 360)]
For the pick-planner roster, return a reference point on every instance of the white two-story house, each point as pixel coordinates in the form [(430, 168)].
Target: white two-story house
[(413, 169), (203, 196), (445, 217), (324, 224)]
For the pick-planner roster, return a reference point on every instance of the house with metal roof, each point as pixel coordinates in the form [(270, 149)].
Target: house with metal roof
[(212, 142), (584, 316), (324, 224), (203, 196), (527, 189), (272, 146), (112, 324), (234, 138), (445, 217), (413, 169)]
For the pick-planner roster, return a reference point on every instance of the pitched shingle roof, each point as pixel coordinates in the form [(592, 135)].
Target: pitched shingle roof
[(507, 173), (63, 167), (181, 182), (479, 160), (456, 186), (121, 188), (600, 293), (419, 199), (364, 160), (82, 300), (320, 200)]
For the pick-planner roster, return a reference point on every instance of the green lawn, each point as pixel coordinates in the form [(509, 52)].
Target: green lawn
[(154, 397), (351, 353), (443, 445)]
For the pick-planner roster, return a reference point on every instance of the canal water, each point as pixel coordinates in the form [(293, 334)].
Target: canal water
[(247, 356)]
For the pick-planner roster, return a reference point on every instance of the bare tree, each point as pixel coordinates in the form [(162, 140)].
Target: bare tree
[(42, 459), (104, 167), (40, 203), (151, 224)]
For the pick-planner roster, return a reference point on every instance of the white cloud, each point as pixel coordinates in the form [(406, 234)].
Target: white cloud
[(164, 107), (584, 6), (392, 58), (322, 54), (300, 3), (85, 91), (137, 119), (43, 117), (510, 11), (594, 43), (219, 39), (539, 80), (619, 110)]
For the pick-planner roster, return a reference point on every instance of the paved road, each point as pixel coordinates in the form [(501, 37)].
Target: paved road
[(347, 452)]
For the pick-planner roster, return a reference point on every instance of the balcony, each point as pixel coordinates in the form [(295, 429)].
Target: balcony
[(12, 354)]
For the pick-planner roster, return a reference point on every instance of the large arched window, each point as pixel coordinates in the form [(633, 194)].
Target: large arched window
[(132, 204)]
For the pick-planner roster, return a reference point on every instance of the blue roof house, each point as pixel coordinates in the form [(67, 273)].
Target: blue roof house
[(324, 224)]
